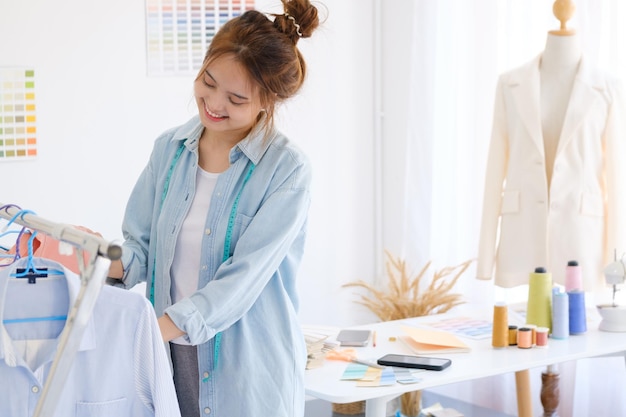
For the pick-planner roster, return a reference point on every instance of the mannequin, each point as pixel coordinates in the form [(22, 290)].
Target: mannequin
[(557, 70), (555, 188)]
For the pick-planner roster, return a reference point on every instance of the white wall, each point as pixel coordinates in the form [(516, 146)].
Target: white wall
[(98, 114)]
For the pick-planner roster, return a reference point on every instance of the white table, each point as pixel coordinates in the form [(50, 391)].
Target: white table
[(483, 361)]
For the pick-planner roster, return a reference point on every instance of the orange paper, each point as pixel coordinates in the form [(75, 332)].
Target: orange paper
[(424, 341)]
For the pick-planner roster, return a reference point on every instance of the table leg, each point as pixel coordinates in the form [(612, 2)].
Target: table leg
[(377, 407), (522, 384), (550, 392)]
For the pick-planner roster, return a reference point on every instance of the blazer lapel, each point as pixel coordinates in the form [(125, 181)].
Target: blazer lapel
[(586, 90), (524, 85)]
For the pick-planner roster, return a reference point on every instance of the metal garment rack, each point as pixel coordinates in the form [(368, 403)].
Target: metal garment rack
[(92, 277)]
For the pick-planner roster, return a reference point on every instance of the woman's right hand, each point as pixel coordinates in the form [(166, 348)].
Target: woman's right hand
[(116, 269)]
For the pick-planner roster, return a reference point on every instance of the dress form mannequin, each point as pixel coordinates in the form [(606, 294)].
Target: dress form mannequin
[(531, 218), (558, 68)]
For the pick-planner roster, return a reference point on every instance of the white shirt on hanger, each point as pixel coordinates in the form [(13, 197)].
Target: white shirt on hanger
[(120, 369)]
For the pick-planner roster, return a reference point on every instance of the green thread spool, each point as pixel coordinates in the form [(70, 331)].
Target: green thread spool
[(539, 308)]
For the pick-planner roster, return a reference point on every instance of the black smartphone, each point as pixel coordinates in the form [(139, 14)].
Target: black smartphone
[(419, 362)]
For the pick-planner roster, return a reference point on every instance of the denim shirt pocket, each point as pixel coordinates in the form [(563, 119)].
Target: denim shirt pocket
[(240, 225)]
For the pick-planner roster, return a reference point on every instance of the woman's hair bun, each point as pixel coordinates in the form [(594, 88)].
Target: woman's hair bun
[(299, 20)]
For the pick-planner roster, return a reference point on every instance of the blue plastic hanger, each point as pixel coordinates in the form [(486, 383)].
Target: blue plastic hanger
[(30, 271)]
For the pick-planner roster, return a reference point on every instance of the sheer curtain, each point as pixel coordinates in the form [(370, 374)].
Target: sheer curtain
[(458, 49)]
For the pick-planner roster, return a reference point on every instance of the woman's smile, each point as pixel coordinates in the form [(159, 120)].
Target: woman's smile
[(213, 116)]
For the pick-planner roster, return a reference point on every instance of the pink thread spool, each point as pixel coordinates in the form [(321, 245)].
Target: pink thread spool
[(542, 337), (573, 277)]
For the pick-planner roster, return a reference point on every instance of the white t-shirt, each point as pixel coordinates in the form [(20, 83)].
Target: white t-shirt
[(186, 264)]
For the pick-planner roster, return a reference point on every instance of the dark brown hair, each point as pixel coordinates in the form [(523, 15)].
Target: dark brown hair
[(267, 50)]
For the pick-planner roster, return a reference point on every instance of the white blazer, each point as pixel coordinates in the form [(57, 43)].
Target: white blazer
[(582, 216)]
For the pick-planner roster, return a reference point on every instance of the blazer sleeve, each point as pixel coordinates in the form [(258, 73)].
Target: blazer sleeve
[(497, 161), (615, 175)]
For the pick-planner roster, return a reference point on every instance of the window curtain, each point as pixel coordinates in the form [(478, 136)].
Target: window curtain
[(458, 49)]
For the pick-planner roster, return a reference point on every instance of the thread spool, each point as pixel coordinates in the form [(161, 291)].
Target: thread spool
[(524, 338), (500, 331), (577, 315), (533, 333), (560, 314), (512, 335), (573, 277), (539, 308), (541, 339)]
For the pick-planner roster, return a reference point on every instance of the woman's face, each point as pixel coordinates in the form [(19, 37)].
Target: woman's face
[(227, 100)]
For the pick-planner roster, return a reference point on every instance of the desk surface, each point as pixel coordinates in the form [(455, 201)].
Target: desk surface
[(483, 360)]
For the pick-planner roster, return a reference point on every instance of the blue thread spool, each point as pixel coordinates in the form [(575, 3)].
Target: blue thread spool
[(560, 314), (577, 316)]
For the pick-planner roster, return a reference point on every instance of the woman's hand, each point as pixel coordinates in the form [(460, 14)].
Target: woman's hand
[(116, 269), (169, 331)]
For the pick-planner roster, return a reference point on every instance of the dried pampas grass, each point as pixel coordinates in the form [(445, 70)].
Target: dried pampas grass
[(405, 297)]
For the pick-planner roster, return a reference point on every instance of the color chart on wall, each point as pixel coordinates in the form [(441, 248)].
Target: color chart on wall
[(18, 140), (179, 32)]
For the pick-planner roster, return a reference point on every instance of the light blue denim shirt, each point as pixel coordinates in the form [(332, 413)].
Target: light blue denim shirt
[(251, 297)]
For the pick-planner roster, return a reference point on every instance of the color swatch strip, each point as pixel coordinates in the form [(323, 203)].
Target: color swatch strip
[(18, 131), (180, 31)]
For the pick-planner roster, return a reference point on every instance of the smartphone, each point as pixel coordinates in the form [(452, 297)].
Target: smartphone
[(419, 362), (348, 337)]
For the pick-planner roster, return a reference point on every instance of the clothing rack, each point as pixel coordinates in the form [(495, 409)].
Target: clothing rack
[(92, 277)]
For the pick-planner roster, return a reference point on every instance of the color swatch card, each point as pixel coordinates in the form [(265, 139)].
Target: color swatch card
[(464, 326), (367, 376), (354, 371), (18, 133), (378, 378), (407, 376), (179, 32)]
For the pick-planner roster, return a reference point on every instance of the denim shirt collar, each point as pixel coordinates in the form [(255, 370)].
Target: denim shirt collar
[(253, 146)]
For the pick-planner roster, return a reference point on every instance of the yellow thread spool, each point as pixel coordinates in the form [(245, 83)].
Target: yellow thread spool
[(500, 332), (512, 335)]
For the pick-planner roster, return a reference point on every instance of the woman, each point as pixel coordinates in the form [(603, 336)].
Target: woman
[(216, 224)]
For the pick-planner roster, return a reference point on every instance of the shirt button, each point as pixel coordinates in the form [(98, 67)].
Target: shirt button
[(35, 389), (204, 267), (205, 375), (207, 231), (207, 410)]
